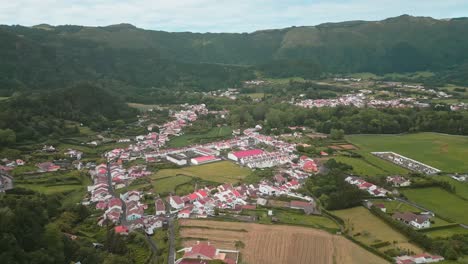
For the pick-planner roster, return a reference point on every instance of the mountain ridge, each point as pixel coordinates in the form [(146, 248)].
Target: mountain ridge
[(145, 58)]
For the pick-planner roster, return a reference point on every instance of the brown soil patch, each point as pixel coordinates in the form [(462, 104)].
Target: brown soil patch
[(279, 244), (343, 147)]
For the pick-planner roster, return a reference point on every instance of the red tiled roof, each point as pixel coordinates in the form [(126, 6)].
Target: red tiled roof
[(247, 153), (177, 199), (193, 196), (204, 158), (115, 202), (203, 193), (121, 229), (202, 248)]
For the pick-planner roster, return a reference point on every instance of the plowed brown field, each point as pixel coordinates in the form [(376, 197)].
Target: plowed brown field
[(268, 244)]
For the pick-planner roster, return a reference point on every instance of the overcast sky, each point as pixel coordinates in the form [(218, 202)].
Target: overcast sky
[(218, 15)]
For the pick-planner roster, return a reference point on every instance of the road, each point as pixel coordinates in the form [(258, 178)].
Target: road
[(171, 259), (123, 215), (153, 247)]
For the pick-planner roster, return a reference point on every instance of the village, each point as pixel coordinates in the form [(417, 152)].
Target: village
[(128, 210)]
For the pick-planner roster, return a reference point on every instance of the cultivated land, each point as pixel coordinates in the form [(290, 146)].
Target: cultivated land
[(277, 244), (444, 152), (369, 229), (443, 203), (221, 172), (214, 134)]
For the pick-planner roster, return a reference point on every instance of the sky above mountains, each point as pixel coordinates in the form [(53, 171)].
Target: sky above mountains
[(218, 15)]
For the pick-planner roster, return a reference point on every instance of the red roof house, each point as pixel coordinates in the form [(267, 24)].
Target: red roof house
[(202, 250)]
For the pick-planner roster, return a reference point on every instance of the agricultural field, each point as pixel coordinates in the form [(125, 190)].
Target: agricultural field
[(275, 243), (72, 184), (221, 172), (461, 188), (369, 229), (142, 107), (214, 134), (444, 152), (255, 95), (441, 202)]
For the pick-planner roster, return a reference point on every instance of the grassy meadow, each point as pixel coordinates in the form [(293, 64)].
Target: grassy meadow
[(214, 134), (441, 202), (221, 172), (445, 152)]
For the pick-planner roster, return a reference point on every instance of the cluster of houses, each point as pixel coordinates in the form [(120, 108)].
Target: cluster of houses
[(406, 162), (203, 202), (418, 259), (398, 181), (358, 100), (126, 209), (8, 165), (204, 253), (230, 93), (257, 158), (371, 188)]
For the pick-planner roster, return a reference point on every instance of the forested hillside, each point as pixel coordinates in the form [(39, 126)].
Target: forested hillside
[(53, 56), (32, 115)]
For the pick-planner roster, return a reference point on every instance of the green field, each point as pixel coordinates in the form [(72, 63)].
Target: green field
[(369, 229), (360, 166), (293, 217), (167, 185), (214, 134), (441, 202), (222, 172), (447, 232), (461, 188), (256, 95), (72, 183), (445, 152)]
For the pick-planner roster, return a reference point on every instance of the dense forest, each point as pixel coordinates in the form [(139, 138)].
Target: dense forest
[(351, 119), (34, 228), (44, 56), (34, 115)]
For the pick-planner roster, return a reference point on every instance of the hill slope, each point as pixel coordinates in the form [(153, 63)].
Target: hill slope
[(46, 55)]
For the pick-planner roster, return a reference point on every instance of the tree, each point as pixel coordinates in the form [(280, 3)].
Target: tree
[(7, 137), (337, 134)]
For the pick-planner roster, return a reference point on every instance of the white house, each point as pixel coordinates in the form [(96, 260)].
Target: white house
[(176, 202), (184, 214), (417, 221), (177, 159), (160, 207)]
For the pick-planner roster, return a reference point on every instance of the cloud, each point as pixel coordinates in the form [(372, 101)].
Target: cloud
[(217, 15)]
